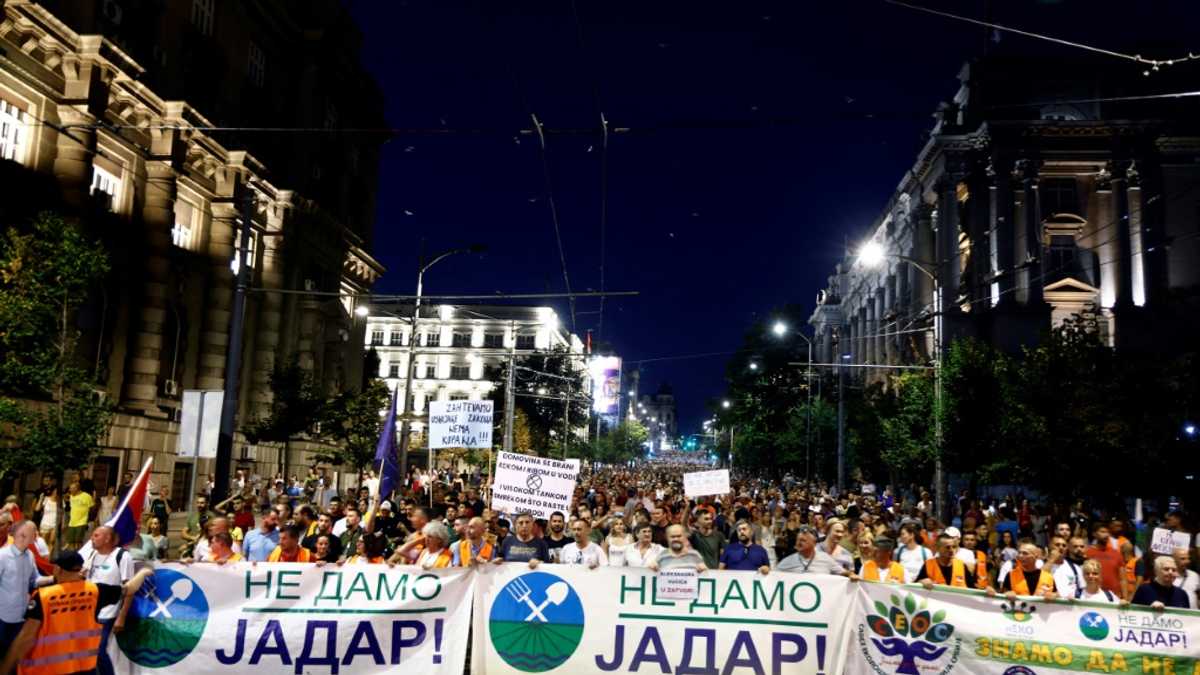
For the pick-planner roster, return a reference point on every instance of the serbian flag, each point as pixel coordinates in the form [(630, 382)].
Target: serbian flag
[(128, 517)]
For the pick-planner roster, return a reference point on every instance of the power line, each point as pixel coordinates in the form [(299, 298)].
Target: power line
[(1136, 58), (562, 256)]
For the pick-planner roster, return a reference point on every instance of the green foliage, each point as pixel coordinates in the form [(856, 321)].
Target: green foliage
[(51, 418), (620, 444), (297, 404), (547, 392), (351, 422)]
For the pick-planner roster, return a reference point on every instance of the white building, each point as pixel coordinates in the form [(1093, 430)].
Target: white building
[(459, 345)]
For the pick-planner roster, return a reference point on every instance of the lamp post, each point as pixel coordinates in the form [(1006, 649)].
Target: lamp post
[(406, 426), (780, 329), (872, 254)]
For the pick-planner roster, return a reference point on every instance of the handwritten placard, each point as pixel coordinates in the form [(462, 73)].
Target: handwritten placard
[(702, 483), (678, 583), (460, 424)]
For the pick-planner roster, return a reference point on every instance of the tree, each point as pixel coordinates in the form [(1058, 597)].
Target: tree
[(297, 404), (351, 423), (548, 392), (51, 415)]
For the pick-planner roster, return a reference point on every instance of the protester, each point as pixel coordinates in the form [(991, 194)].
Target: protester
[(616, 542), (474, 548), (557, 538), (744, 554), (880, 566), (1186, 579), (106, 563), (582, 550), (289, 548), (48, 506), (707, 540), (1026, 578), (324, 528), (976, 560), (810, 559), (911, 555), (644, 550), (522, 545), (260, 542), (81, 504), (1091, 591), (433, 546), (1069, 576), (1111, 561), (18, 577), (1162, 592), (946, 568), (678, 553)]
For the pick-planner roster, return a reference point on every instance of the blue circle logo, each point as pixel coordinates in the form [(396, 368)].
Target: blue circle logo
[(165, 621), (1019, 670), (536, 622), (1093, 626)]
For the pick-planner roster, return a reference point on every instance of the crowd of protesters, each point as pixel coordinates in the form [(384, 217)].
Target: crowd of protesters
[(626, 517)]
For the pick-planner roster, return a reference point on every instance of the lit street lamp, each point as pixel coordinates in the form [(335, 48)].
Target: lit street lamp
[(872, 254)]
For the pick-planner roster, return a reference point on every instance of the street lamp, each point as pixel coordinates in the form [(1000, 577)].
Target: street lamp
[(872, 254), (406, 427), (753, 366), (780, 328), (362, 311), (725, 404)]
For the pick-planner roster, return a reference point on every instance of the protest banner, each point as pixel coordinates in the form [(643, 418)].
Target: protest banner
[(678, 583), (537, 485), (907, 630), (1164, 541), (702, 483), (460, 424), (570, 619), (284, 617)]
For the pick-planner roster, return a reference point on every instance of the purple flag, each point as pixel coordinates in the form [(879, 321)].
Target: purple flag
[(385, 453)]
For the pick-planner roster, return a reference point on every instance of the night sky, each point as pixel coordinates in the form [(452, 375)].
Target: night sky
[(763, 135)]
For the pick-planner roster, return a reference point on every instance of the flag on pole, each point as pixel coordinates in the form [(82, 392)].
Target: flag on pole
[(128, 517), (385, 453)]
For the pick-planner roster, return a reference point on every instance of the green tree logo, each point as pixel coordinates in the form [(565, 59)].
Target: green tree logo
[(909, 631)]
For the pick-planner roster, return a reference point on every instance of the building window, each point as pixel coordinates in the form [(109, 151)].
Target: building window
[(433, 339), (185, 217), (1059, 195), (525, 341), (397, 338), (203, 12), (237, 250), (256, 65), (460, 372), (493, 340), (12, 131), (377, 337), (105, 182), (394, 370), (181, 480), (459, 397), (462, 339)]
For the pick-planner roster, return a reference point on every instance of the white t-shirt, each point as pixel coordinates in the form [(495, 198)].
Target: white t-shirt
[(1068, 577), (571, 554), (634, 557), (202, 549), (967, 556), (1100, 596), (1189, 581), (114, 568), (912, 560)]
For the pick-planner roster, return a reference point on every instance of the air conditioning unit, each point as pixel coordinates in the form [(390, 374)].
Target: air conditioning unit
[(170, 388), (249, 454), (113, 11)]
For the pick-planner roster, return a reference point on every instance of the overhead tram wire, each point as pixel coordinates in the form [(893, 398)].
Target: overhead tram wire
[(562, 256)]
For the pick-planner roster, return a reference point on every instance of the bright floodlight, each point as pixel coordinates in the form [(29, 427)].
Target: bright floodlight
[(780, 328), (1190, 429), (871, 253), (361, 311), (725, 404), (753, 366)]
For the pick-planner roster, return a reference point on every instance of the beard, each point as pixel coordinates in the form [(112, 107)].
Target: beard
[(676, 546)]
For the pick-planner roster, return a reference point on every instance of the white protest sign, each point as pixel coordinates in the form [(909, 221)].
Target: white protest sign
[(702, 483), (680, 583), (200, 423), (536, 485), (1165, 541), (460, 424)]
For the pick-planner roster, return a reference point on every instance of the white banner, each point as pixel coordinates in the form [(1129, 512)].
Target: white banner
[(199, 423), (703, 483), (460, 424), (907, 630), (299, 618), (537, 485), (1164, 541), (570, 619)]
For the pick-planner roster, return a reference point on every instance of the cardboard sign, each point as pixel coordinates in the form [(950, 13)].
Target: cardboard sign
[(460, 424), (702, 483), (679, 583), (1165, 541), (536, 485)]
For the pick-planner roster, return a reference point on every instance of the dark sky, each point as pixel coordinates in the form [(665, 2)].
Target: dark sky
[(762, 135)]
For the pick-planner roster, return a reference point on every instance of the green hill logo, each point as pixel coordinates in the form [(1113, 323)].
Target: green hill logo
[(536, 622), (166, 620)]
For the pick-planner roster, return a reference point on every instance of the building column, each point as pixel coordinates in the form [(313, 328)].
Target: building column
[(949, 267), (158, 217), (1000, 195), (270, 318), (214, 340), (1031, 236), (1139, 280), (871, 328), (881, 329), (74, 148), (924, 248), (889, 310)]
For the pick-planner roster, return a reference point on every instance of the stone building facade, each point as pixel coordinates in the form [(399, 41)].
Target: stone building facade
[(86, 136), (1027, 213)]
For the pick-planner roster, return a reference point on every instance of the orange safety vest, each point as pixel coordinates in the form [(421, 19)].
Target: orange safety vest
[(1131, 580), (464, 552), (443, 559), (1020, 586), (302, 555), (870, 572), (958, 573), (981, 573), (68, 641)]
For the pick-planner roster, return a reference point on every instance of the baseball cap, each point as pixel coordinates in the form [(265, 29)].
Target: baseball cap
[(68, 561), (385, 506), (953, 532)]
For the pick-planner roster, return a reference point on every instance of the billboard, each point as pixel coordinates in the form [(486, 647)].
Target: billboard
[(606, 384)]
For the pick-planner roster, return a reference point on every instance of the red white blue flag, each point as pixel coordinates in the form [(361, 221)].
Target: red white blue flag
[(128, 517)]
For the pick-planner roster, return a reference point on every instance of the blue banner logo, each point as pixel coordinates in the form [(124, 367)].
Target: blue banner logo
[(166, 620), (536, 622)]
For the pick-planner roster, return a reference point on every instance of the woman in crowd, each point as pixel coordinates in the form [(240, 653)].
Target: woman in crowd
[(644, 550), (158, 535), (616, 542), (108, 505)]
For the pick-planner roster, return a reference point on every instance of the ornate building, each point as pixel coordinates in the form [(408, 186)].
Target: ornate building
[(85, 135), (1021, 212)]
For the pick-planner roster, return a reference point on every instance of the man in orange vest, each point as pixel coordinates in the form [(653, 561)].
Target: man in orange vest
[(289, 548), (61, 634), (973, 558), (473, 548), (1025, 577), (945, 569), (881, 567)]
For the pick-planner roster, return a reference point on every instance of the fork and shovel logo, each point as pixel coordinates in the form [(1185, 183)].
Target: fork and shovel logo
[(166, 620), (536, 622)]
